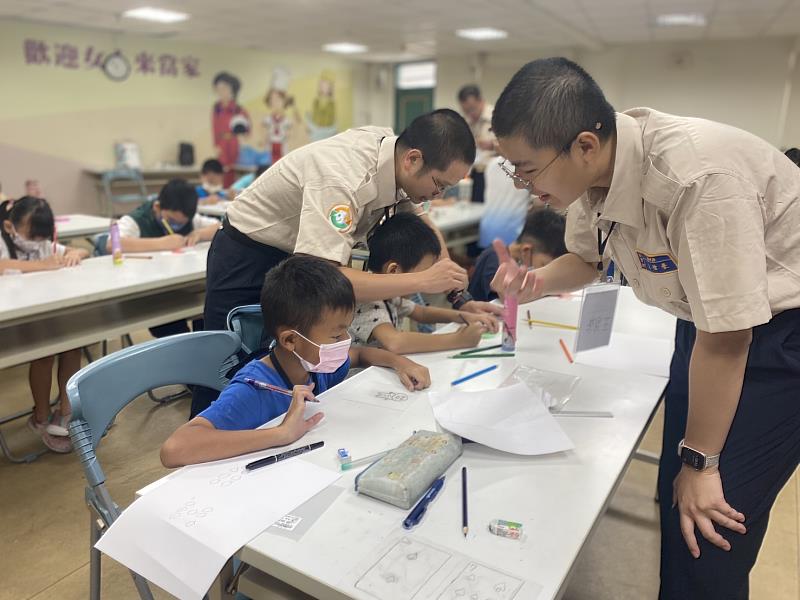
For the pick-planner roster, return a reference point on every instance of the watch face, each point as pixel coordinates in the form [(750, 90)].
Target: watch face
[(116, 67), (693, 458)]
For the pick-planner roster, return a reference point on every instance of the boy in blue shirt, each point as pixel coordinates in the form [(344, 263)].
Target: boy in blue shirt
[(307, 304), (539, 244), (210, 190)]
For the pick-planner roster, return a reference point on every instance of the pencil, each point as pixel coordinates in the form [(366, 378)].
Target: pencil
[(477, 350), (551, 324), (167, 227), (530, 322), (464, 516), (463, 319), (473, 375), (566, 351), (487, 355), (262, 385), (139, 256)]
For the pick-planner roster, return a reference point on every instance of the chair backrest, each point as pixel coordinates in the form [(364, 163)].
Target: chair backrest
[(103, 388), (100, 242), (247, 322), (123, 175)]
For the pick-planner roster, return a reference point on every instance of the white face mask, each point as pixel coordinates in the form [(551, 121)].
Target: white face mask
[(25, 245), (211, 188)]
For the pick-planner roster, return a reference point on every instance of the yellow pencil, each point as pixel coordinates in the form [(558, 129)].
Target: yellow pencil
[(167, 227), (551, 324)]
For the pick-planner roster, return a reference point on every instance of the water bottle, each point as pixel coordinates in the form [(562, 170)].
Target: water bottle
[(116, 245)]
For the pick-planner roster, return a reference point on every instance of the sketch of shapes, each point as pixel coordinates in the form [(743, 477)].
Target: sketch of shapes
[(392, 396), (402, 570), (479, 581)]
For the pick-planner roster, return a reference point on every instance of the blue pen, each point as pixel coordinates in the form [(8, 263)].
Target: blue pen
[(415, 516), (473, 375)]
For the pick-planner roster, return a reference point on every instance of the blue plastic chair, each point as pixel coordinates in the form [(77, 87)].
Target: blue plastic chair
[(246, 322), (99, 391), (127, 176)]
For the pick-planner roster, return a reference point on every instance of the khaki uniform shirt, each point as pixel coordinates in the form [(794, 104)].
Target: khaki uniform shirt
[(707, 220), (482, 131), (324, 197)]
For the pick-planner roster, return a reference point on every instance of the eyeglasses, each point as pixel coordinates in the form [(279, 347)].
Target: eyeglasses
[(510, 169), (441, 189)]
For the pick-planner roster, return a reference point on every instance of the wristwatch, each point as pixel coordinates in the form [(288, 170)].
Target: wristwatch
[(696, 459), (458, 298)]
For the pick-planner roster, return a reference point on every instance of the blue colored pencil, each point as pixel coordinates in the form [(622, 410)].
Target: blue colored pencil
[(473, 375)]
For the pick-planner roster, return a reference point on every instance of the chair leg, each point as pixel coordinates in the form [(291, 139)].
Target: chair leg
[(94, 558), (127, 340), (87, 354), (169, 397), (142, 587), (105, 347)]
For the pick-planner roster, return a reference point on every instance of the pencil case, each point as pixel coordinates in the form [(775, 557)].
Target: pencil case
[(404, 474)]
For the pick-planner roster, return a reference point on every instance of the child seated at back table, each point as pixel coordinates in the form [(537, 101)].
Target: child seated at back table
[(307, 305), (28, 228), (406, 244), (540, 243), (168, 223), (212, 175)]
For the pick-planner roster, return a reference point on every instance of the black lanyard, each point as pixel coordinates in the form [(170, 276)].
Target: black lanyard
[(391, 314), (286, 381), (601, 244)]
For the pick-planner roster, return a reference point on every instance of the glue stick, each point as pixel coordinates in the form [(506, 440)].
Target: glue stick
[(116, 246), (510, 323)]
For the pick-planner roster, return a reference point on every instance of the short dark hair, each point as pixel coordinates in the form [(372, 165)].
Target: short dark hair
[(442, 136), (231, 80), (469, 91), (405, 239), (180, 195), (42, 223), (546, 227), (549, 102), (793, 154), (298, 290), (212, 165)]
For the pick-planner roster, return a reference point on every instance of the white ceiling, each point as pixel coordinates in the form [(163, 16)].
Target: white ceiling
[(421, 28)]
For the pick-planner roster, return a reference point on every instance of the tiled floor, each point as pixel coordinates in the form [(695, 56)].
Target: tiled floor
[(44, 541)]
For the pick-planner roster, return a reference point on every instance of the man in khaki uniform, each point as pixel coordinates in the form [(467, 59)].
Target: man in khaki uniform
[(478, 113), (323, 198), (704, 222)]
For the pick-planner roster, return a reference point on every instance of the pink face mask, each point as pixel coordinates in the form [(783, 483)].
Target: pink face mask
[(331, 356)]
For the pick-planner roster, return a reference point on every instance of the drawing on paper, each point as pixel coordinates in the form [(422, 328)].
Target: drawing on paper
[(392, 396), (402, 571), (189, 513), (479, 582), (227, 477)]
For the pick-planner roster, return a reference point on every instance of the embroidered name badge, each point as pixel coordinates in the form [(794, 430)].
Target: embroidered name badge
[(341, 217), (657, 263)]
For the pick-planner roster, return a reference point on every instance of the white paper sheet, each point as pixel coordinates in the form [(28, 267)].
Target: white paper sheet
[(632, 353), (181, 533), (510, 419)]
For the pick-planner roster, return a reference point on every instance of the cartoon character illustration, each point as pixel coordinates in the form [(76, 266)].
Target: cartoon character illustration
[(321, 121), (226, 87), (278, 123)]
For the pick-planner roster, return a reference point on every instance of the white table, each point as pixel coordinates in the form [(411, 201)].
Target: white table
[(214, 210), (51, 311), (77, 226), (559, 498), (457, 216)]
